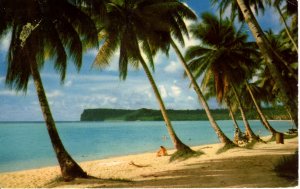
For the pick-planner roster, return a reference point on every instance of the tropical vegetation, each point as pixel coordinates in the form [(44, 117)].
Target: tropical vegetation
[(227, 65), (144, 114)]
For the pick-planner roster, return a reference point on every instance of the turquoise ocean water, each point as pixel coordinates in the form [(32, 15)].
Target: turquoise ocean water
[(27, 145)]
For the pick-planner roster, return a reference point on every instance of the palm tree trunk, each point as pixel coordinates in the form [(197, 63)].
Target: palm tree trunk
[(286, 28), (260, 113), (266, 51), (249, 131), (179, 145), (238, 132), (69, 168), (222, 137)]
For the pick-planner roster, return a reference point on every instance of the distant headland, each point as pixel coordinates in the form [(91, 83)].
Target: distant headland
[(143, 114)]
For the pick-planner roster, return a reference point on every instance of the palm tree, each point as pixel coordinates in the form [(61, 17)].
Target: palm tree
[(251, 88), (222, 137), (223, 55), (238, 133), (170, 24), (267, 51), (208, 86), (290, 7), (44, 30), (129, 28), (267, 82)]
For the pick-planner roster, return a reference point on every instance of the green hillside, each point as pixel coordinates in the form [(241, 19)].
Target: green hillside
[(175, 115)]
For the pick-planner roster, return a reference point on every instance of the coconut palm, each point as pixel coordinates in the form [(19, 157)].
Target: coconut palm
[(238, 135), (252, 89), (170, 26), (289, 8), (223, 55), (258, 6), (269, 54), (208, 86), (267, 82), (44, 30), (129, 29)]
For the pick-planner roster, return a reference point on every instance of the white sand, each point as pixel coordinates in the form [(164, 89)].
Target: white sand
[(158, 172)]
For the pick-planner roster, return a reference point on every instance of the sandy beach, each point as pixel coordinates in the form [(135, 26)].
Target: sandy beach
[(238, 167)]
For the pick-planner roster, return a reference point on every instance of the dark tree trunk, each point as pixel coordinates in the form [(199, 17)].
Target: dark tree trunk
[(250, 134), (237, 132), (260, 113), (69, 168), (178, 144), (222, 137)]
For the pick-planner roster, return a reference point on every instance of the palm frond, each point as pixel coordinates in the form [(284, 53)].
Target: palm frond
[(197, 51), (107, 50), (70, 40)]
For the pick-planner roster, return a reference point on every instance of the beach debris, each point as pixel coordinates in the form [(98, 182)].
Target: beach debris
[(139, 166), (150, 175), (206, 147)]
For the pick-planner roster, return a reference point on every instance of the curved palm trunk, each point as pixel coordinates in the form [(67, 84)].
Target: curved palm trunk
[(236, 126), (238, 132), (249, 131), (179, 145), (69, 168), (266, 51), (260, 113), (287, 28), (222, 137)]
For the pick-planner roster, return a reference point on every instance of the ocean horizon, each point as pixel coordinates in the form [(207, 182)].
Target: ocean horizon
[(26, 145)]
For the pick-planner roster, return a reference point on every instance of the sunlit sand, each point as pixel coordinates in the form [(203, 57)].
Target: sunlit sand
[(237, 167)]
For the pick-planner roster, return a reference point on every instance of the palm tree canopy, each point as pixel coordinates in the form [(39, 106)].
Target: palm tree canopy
[(257, 5), (265, 79), (223, 53), (41, 30), (135, 25)]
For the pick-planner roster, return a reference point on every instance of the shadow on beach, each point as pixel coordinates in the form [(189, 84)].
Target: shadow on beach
[(250, 171)]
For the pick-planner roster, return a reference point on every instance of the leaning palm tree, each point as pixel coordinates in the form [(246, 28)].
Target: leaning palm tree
[(267, 51), (170, 26), (238, 134), (223, 55), (128, 29), (291, 8), (267, 82), (252, 89), (44, 30), (208, 86)]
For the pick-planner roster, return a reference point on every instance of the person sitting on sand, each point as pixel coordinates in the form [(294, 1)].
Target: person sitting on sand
[(161, 152)]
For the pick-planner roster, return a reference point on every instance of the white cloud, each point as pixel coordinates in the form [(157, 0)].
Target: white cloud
[(172, 67), (176, 91), (14, 93), (68, 83), (54, 93), (190, 98), (8, 93), (5, 42), (163, 91)]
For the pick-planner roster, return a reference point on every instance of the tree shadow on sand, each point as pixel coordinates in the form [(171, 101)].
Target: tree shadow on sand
[(89, 182)]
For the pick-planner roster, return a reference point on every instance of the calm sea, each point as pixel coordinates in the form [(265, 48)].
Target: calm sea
[(27, 145)]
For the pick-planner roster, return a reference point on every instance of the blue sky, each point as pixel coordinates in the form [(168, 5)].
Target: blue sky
[(92, 88)]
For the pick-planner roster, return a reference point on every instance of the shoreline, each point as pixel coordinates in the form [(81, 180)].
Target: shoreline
[(76, 121), (123, 167), (94, 158)]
